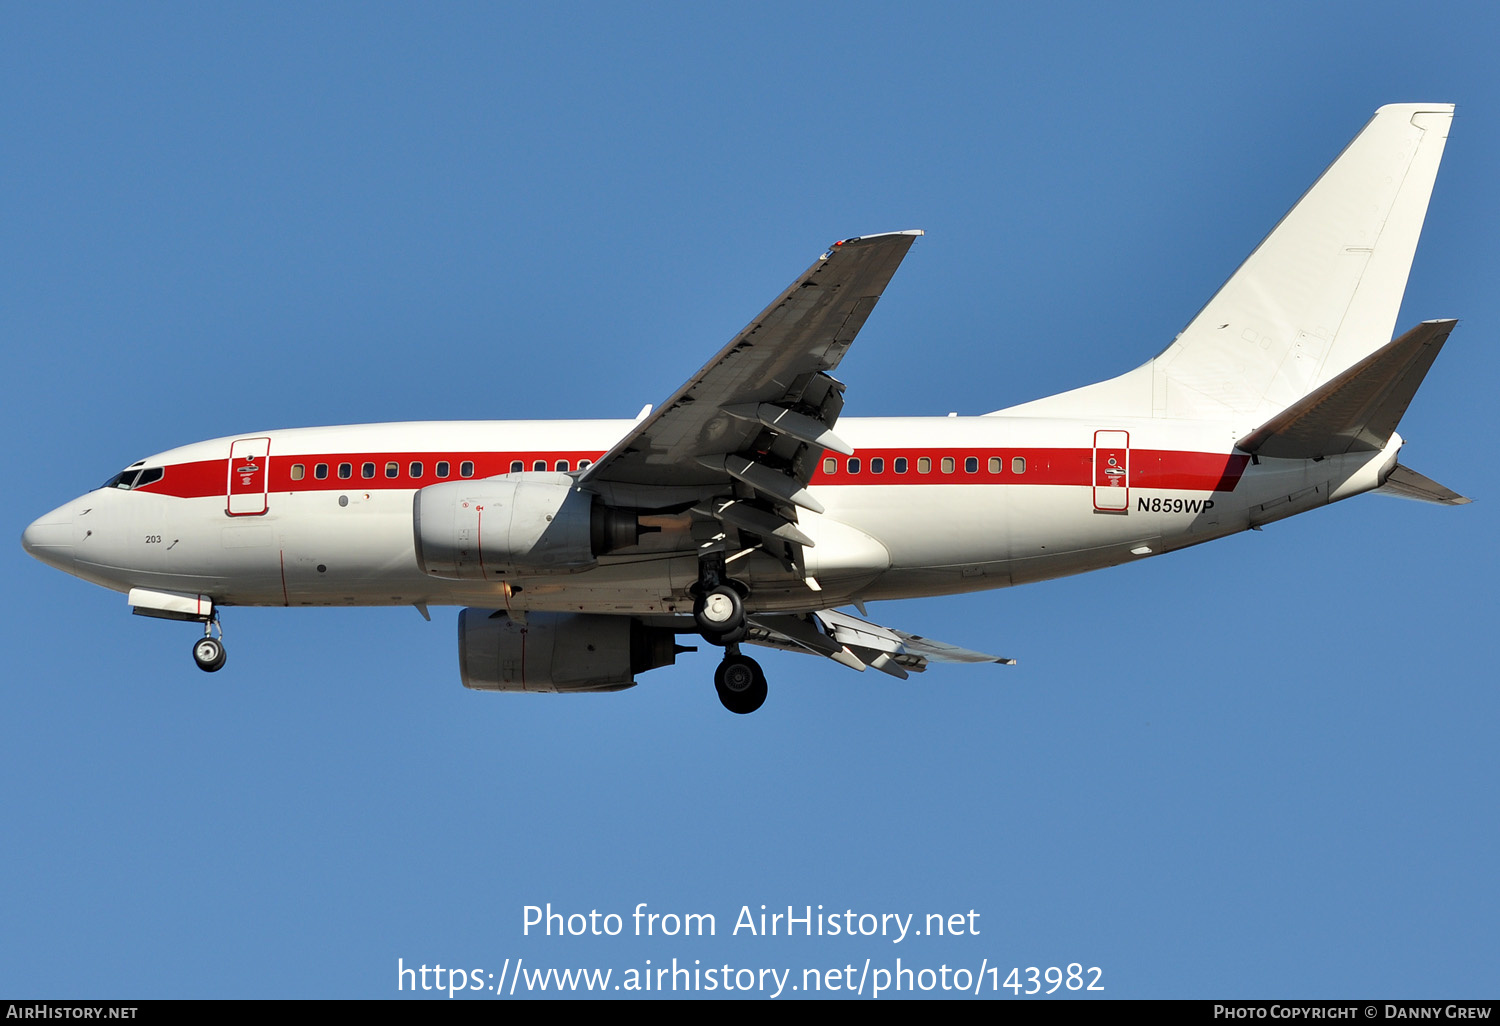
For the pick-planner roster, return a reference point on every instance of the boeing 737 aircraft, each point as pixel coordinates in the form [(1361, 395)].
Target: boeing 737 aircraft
[(745, 510)]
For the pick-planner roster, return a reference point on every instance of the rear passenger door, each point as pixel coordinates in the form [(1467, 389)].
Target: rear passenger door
[(1111, 472), (249, 477)]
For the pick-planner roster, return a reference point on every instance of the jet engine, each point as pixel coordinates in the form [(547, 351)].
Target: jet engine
[(532, 522), (558, 652)]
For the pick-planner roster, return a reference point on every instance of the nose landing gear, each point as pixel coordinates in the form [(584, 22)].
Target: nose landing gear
[(208, 651)]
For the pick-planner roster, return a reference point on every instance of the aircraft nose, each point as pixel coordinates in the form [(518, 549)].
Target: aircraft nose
[(50, 538)]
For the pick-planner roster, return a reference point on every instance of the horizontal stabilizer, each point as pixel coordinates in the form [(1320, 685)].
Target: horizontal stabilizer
[(1358, 410), (1406, 483)]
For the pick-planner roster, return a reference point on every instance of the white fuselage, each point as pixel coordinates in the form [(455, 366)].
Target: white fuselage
[(932, 506)]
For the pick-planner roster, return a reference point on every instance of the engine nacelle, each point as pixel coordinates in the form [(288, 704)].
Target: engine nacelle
[(531, 522), (558, 652)]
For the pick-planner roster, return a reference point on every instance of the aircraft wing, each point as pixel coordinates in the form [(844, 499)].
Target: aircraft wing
[(761, 412), (858, 643)]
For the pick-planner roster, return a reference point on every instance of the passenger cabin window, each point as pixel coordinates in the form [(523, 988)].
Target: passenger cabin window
[(346, 471), (367, 470), (830, 465), (538, 465), (877, 465), (392, 469), (947, 464), (1018, 465), (320, 471), (299, 471), (924, 464), (995, 464), (854, 464), (442, 468), (415, 468), (466, 468), (516, 466), (900, 464), (562, 466), (971, 465), (585, 464)]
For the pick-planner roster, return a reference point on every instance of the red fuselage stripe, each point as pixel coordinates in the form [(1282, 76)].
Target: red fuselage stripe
[(1149, 468)]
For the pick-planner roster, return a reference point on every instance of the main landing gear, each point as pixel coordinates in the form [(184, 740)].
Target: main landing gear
[(719, 613), (740, 682), (208, 651)]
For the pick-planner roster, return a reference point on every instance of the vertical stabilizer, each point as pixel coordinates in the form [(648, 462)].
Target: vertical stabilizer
[(1322, 291), (1318, 295)]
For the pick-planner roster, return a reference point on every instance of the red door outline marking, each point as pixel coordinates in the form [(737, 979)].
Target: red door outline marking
[(249, 480), (1112, 471)]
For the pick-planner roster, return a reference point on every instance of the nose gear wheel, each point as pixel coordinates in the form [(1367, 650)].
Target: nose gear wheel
[(208, 651), (209, 654)]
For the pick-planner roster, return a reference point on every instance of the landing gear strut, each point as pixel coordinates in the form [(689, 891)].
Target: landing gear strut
[(740, 682), (208, 651), (719, 613), (718, 610)]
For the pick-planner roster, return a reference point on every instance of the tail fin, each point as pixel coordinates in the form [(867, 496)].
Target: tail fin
[(1318, 295), (1323, 290)]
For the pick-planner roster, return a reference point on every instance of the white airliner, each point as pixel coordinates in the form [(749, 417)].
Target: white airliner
[(745, 510)]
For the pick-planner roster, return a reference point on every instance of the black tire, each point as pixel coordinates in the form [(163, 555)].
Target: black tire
[(733, 637), (209, 654), (719, 612), (741, 684)]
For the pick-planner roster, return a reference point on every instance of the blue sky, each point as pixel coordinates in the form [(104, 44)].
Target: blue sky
[(1260, 768)]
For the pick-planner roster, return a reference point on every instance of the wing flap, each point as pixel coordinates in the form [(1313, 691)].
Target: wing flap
[(754, 520), (858, 643), (853, 631)]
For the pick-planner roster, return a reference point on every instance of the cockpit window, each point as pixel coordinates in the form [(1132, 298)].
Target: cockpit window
[(134, 477)]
